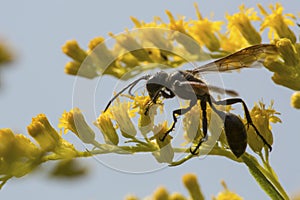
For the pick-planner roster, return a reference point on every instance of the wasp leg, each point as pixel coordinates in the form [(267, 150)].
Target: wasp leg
[(247, 114), (204, 128), (181, 111), (154, 99)]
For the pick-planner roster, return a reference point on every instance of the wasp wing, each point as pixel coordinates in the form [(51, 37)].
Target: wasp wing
[(245, 58)]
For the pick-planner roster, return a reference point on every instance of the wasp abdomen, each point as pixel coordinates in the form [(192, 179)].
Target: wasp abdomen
[(236, 134)]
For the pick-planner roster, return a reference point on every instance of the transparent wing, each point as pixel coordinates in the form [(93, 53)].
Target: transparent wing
[(245, 58)]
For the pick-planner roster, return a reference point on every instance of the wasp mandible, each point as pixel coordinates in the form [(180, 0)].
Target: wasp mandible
[(186, 85)]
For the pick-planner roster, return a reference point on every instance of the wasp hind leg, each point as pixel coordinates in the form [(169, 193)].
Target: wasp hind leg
[(204, 128), (247, 114)]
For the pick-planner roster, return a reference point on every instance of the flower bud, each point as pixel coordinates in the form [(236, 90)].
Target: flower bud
[(295, 100), (108, 131), (191, 183), (41, 130), (72, 49)]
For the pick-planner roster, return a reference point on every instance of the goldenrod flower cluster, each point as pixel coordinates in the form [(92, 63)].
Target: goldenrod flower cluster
[(160, 42), (191, 183), (152, 45), (121, 136), (19, 155)]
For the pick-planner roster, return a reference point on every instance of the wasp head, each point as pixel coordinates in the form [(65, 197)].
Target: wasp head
[(155, 84)]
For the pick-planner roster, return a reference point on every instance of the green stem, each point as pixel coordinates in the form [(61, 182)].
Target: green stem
[(265, 179)]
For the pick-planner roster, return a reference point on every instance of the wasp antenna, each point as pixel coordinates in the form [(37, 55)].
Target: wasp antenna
[(131, 85)]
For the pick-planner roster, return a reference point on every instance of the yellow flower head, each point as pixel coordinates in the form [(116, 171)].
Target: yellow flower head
[(286, 68), (240, 24), (192, 124), (25, 147), (145, 122), (165, 154), (177, 25), (7, 139), (262, 117), (42, 131), (205, 32), (122, 113), (191, 183), (95, 42), (295, 100), (106, 126), (278, 22), (72, 49), (72, 67), (160, 193), (128, 42), (227, 194), (75, 122)]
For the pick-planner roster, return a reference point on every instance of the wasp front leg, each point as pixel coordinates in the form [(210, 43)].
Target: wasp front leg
[(181, 111)]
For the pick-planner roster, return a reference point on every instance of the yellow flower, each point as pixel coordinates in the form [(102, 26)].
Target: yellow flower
[(177, 25), (233, 42), (72, 49), (177, 196), (7, 139), (205, 32), (72, 68), (96, 42), (295, 100), (227, 194), (75, 122), (121, 113), (129, 43), (108, 131), (240, 24), (286, 68), (160, 193), (18, 155), (288, 52), (165, 154), (145, 122), (101, 59), (156, 23), (41, 130), (25, 147), (131, 197), (262, 117), (278, 23), (78, 66), (65, 150), (192, 124), (191, 183)]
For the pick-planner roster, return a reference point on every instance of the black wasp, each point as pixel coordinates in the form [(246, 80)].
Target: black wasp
[(186, 85)]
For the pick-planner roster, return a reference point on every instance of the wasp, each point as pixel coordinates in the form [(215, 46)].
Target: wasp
[(187, 85)]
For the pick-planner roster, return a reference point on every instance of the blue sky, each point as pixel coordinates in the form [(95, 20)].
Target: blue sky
[(35, 83)]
